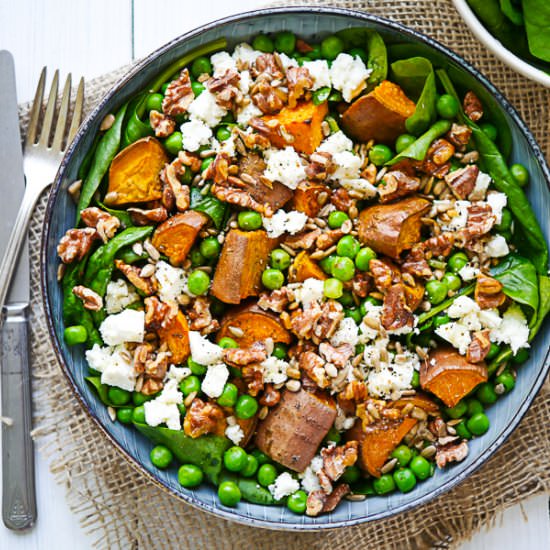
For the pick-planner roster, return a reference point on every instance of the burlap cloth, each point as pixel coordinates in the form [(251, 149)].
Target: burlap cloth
[(123, 510)]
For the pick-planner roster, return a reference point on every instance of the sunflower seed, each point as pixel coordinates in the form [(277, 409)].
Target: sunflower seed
[(355, 498), (236, 331), (293, 385), (189, 399), (107, 122), (264, 411), (429, 451), (389, 466)]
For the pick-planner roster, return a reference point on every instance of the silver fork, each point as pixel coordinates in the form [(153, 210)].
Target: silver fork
[(41, 161)]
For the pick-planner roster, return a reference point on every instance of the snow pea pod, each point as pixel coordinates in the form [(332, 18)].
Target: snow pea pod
[(136, 128), (251, 490), (209, 205), (106, 150)]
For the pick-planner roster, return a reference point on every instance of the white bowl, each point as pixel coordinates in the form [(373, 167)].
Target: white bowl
[(495, 46)]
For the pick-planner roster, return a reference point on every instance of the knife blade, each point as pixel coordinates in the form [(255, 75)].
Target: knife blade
[(18, 486)]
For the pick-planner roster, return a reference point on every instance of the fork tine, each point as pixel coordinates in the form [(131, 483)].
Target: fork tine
[(57, 142), (77, 111), (36, 108), (50, 111)]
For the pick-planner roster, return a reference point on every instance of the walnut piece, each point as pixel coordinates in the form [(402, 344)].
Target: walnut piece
[(472, 106), (226, 89), (75, 244), (178, 96), (488, 292), (203, 418), (318, 502), (267, 98), (338, 356), (462, 181), (179, 192), (148, 217), (298, 82), (332, 312), (479, 346), (104, 223), (276, 300), (270, 397), (133, 274), (238, 357), (397, 184), (451, 453), (200, 316), (313, 366), (91, 300), (163, 125), (395, 312), (159, 315), (337, 458)]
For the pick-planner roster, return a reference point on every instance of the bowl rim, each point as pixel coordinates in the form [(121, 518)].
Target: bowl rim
[(497, 48), (233, 514)]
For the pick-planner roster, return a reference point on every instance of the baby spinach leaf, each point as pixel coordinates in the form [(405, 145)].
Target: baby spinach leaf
[(101, 390), (209, 205), (537, 26), (135, 128), (511, 12), (122, 215), (205, 451), (544, 305)]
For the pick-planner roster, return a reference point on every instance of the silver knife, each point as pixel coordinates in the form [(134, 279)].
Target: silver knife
[(18, 488)]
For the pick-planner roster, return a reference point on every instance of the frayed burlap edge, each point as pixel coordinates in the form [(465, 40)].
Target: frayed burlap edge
[(121, 509)]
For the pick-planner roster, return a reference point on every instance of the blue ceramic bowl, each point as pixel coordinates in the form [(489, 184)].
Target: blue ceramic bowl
[(310, 23)]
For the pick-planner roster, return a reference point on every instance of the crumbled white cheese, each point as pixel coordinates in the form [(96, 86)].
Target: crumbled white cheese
[(513, 330), (373, 314), (284, 222), (497, 201), (206, 109), (245, 55), (245, 81), (361, 186), (115, 365), (203, 351), (284, 166), (480, 189), (342, 422), (440, 206), (177, 373), (462, 306), (319, 72), (194, 133), (489, 318), (459, 221), (274, 370), (284, 485), (348, 166), (234, 433), (469, 272), (311, 290), (346, 333), (456, 334), (119, 295), (309, 480), (164, 408), (496, 247), (126, 326), (248, 112), (471, 321), (349, 75), (336, 143), (214, 380), (172, 282), (287, 62), (221, 62)]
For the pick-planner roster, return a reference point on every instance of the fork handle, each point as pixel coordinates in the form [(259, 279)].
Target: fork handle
[(18, 489), (16, 239)]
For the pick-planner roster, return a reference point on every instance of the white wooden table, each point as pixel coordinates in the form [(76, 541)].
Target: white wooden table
[(90, 38)]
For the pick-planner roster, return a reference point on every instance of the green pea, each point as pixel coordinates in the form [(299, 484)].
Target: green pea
[(441, 319), (321, 95), (249, 220), (261, 457), (486, 393), (229, 493), (346, 299), (200, 66), (280, 259), (273, 278), (189, 385), (154, 102), (351, 474), (415, 382), (195, 368), (206, 163), (297, 502), (182, 409), (520, 174), (196, 257), (223, 133), (263, 43), (333, 435), (489, 130), (164, 87), (361, 53), (326, 263), (227, 343), (234, 459), (457, 262), (335, 96), (246, 407), (197, 88), (521, 356), (507, 379), (280, 350), (333, 288), (285, 42), (229, 118), (404, 479), (187, 177), (173, 144), (354, 313), (384, 484), (331, 47), (210, 248), (420, 467), (458, 410), (77, 334), (403, 141), (124, 415), (478, 424), (447, 106), (462, 431), (189, 476), (359, 348), (505, 221), (436, 291), (118, 396), (380, 154), (229, 395), (474, 406), (452, 281), (403, 455), (348, 246), (336, 219), (161, 456), (138, 415), (493, 351), (198, 282), (315, 53), (140, 398), (267, 474), (343, 269)]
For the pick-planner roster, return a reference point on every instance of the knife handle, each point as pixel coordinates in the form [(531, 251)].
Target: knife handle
[(18, 490)]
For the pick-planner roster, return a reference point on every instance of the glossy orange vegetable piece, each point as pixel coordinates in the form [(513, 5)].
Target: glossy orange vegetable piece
[(449, 376), (239, 271), (379, 115), (256, 324), (134, 175), (303, 267), (176, 337), (307, 198), (175, 237), (303, 123), (419, 400)]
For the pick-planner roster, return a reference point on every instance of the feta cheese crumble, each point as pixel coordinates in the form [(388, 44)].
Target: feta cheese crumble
[(311, 290), (164, 408), (206, 109), (114, 364), (214, 380), (127, 326), (284, 222), (513, 330), (172, 282), (480, 188), (223, 61), (497, 201), (203, 351), (349, 75), (245, 55), (234, 433), (248, 112), (319, 72), (284, 486), (284, 166), (119, 295), (194, 134), (336, 143), (346, 333), (308, 478), (469, 272), (496, 247), (456, 334), (274, 370)]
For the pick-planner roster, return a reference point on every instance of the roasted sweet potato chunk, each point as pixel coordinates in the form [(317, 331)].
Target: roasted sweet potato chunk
[(306, 198), (292, 431), (303, 123), (175, 237), (176, 337), (391, 228), (242, 260), (420, 400), (256, 324), (378, 440), (134, 175), (303, 267), (379, 115), (449, 376)]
